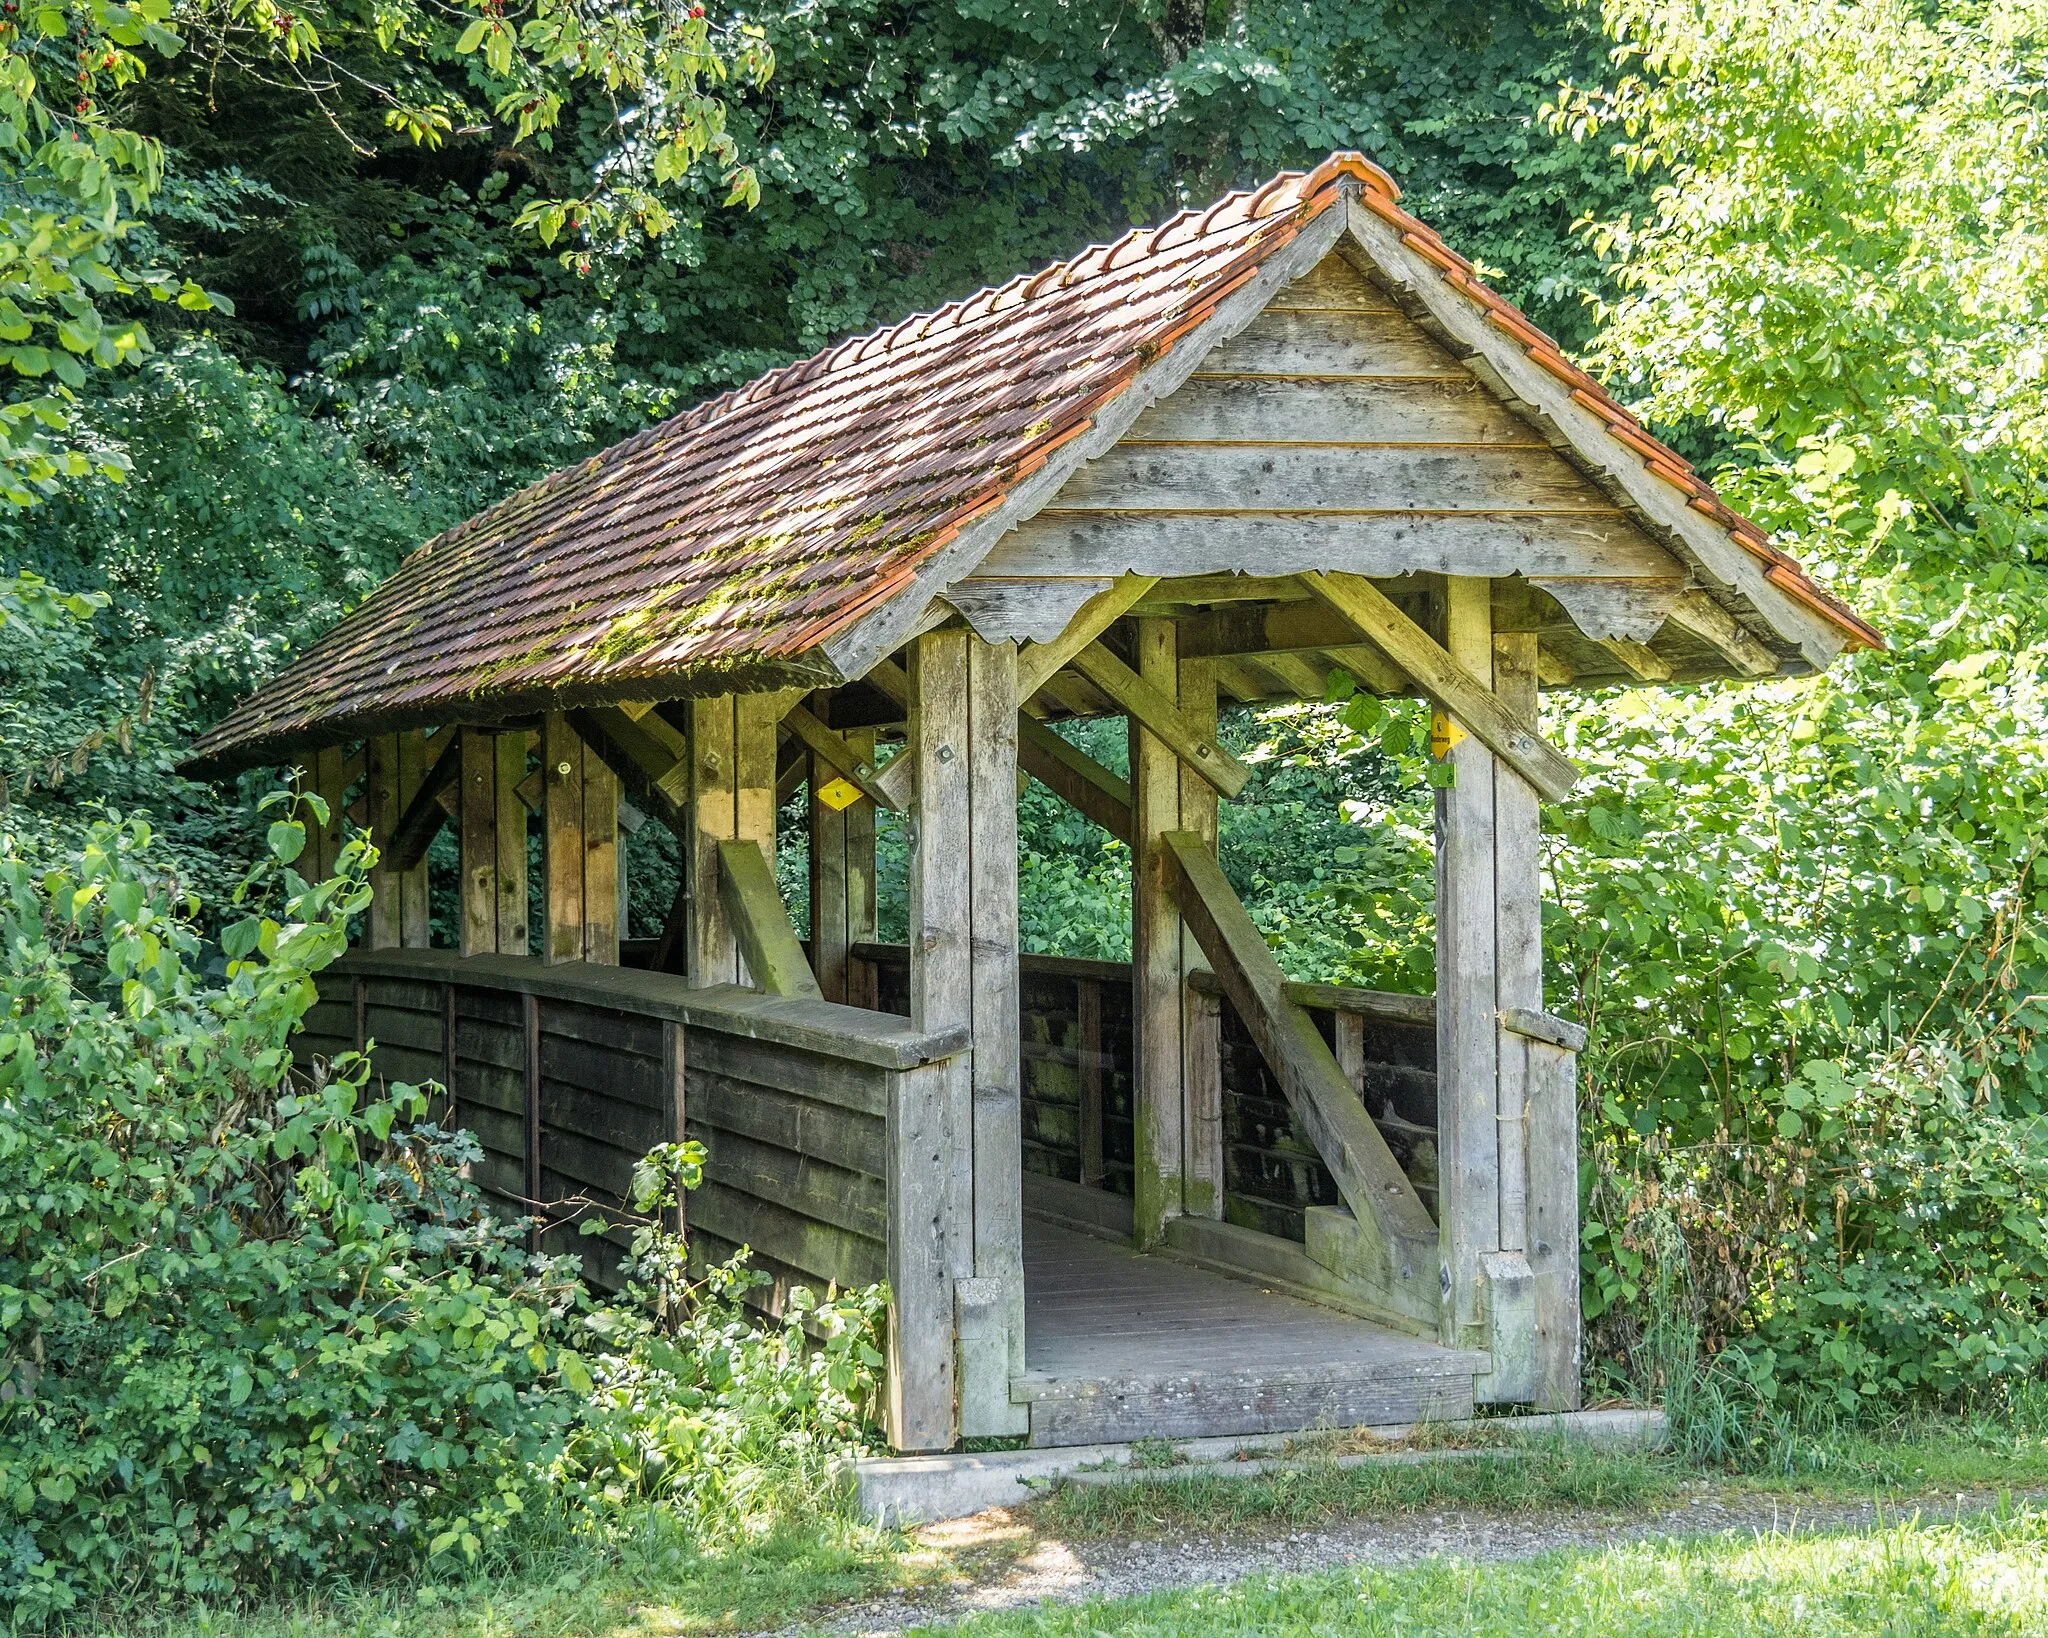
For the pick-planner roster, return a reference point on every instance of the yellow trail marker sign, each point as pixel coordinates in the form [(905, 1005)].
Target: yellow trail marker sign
[(1443, 735)]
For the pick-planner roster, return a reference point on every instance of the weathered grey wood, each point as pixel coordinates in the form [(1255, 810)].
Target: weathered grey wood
[(1466, 968), (1030, 610), (509, 841), (1254, 629), (1332, 410), (1349, 1047), (1088, 1026), (601, 899), (1201, 1015), (819, 1027), (1274, 477), (1343, 998), (1075, 777), (824, 1251), (423, 775), (804, 1126), (1667, 507), (1642, 662), (478, 892), (1537, 1025), (383, 805), (712, 954), (1551, 1077), (323, 840), (1175, 597), (1066, 541), (675, 1065), (1151, 704), (530, 1116), (859, 826), (1039, 662), (1333, 284), (1157, 1094), (840, 754), (1518, 929), (802, 1184), (1619, 607), (1127, 1347), (1370, 668), (992, 1339), (829, 941), (760, 922), (1323, 343), (649, 757), (918, 1387), (1296, 674), (1699, 614), (843, 1083), (941, 960), (1456, 685), (1365, 1171), (562, 840)]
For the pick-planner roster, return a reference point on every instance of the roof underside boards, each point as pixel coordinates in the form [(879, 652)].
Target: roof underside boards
[(797, 529)]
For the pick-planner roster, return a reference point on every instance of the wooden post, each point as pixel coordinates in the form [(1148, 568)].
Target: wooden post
[(921, 1155), (712, 954), (1088, 1021), (842, 872), (383, 804), (1155, 955), (673, 1056), (1466, 1021), (509, 842), (1517, 929), (938, 1212), (1552, 1080), (530, 1019), (323, 842), (414, 929), (1201, 1011), (580, 839), (561, 760)]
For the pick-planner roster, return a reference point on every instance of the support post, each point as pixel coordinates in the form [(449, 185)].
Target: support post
[(323, 842), (580, 811), (732, 798), (1466, 1009), (842, 871), (1201, 1009), (382, 804), (1155, 955), (492, 827), (1553, 1086), (414, 929), (1088, 1026)]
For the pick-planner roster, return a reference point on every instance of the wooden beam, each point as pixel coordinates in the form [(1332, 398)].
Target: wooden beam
[(760, 922), (424, 815), (650, 758), (1551, 668), (415, 928), (1250, 630), (1450, 684), (509, 754), (1172, 596), (1699, 614), (1038, 662), (323, 841), (1157, 1096), (1074, 776), (561, 755), (1294, 671), (1163, 719), (857, 767), (1643, 662), (1366, 1173), (382, 806), (1201, 1028), (1369, 668)]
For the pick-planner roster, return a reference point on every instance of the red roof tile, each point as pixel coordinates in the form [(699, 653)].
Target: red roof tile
[(728, 542)]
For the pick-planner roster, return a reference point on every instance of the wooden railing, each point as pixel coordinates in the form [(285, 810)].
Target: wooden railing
[(568, 1074), (1076, 1019)]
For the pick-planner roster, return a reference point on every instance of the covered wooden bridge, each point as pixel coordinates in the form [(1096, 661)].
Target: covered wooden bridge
[(1211, 462)]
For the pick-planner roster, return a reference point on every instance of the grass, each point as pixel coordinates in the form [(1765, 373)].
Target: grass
[(1988, 1575), (648, 1581)]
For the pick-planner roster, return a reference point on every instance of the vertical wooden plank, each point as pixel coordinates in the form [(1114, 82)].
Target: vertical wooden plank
[(828, 884), (561, 757), (1517, 928), (509, 908), (1088, 1018), (674, 1053), (362, 1000), (600, 861), (1350, 1048), (1552, 1080), (918, 1393), (530, 1019), (860, 879), (1201, 1014), (713, 955), (998, 1071), (415, 932), (479, 834), (324, 841), (1155, 955), (1467, 1024), (380, 766), (448, 1052)]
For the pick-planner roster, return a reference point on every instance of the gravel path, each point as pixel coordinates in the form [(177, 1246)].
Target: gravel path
[(1073, 1571)]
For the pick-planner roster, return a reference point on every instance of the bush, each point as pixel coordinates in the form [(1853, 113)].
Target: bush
[(256, 1327)]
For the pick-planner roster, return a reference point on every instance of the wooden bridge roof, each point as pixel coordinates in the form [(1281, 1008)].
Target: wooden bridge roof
[(736, 545)]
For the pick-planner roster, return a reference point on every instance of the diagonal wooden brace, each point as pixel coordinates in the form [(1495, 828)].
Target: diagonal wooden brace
[(760, 922), (1397, 1226), (1443, 679), (1163, 718), (1076, 777), (833, 748)]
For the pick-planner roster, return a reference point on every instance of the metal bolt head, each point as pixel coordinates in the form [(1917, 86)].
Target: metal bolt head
[(562, 768)]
